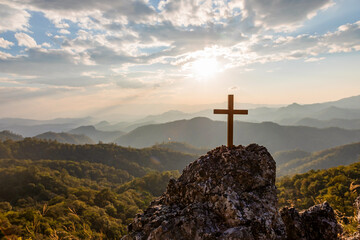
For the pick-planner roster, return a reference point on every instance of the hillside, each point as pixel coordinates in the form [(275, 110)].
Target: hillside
[(97, 135), (341, 123), (7, 135), (286, 156), (332, 185), (65, 138), (203, 132), (182, 147), (61, 199), (31, 127), (135, 161), (50, 190), (333, 157)]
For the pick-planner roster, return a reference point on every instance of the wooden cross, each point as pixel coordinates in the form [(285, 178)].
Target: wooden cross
[(230, 112)]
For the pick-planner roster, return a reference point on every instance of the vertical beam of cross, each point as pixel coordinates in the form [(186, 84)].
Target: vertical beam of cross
[(230, 112)]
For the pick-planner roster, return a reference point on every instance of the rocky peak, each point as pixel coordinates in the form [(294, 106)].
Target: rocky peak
[(229, 193)]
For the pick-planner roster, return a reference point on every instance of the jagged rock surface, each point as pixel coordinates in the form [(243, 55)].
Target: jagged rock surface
[(316, 223), (230, 194), (355, 236), (357, 208), (226, 194)]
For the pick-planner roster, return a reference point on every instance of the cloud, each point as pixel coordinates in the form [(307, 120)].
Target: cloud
[(25, 40), (138, 39), (16, 94), (282, 14), (13, 18), (5, 44), (4, 56), (313, 59), (345, 39), (64, 31)]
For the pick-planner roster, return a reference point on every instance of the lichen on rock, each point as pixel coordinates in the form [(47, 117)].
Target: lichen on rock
[(316, 223), (229, 193)]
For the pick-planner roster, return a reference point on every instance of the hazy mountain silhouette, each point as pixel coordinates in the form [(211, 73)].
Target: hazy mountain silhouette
[(348, 108), (342, 123), (286, 156), (66, 138), (333, 157), (181, 147), (203, 132), (7, 135), (97, 135), (30, 127), (349, 102)]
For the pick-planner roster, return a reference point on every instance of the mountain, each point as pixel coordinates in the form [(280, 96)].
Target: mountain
[(135, 161), (7, 135), (40, 199), (65, 138), (341, 123), (286, 156), (333, 157), (30, 127), (181, 147), (332, 185), (203, 132), (349, 102), (336, 112), (97, 135)]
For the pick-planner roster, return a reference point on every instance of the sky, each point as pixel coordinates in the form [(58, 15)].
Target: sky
[(108, 59)]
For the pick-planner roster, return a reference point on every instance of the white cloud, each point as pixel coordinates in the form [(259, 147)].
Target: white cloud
[(5, 55), (5, 43), (282, 14), (173, 38), (25, 40), (313, 59), (13, 17), (45, 44), (64, 31)]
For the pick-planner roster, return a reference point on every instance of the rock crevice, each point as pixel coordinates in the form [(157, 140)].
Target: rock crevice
[(229, 193)]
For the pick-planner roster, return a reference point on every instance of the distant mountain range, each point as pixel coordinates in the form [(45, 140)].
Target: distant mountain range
[(7, 135), (293, 114), (203, 132), (97, 135), (182, 147), (333, 157), (344, 113), (341, 123), (65, 138), (30, 127)]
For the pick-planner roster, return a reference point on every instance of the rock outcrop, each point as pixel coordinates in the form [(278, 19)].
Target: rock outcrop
[(229, 193), (316, 223)]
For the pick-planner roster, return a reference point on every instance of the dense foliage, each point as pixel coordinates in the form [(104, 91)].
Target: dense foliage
[(182, 147), (313, 187), (7, 135), (332, 157), (65, 138), (50, 190), (135, 161), (49, 199)]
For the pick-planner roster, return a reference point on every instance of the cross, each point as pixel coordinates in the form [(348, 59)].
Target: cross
[(230, 112)]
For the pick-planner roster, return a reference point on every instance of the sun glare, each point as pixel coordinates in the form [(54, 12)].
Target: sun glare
[(205, 68)]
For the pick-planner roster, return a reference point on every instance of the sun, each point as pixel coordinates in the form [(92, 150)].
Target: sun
[(205, 67)]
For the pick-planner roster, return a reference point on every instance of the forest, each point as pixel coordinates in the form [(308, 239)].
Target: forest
[(51, 190)]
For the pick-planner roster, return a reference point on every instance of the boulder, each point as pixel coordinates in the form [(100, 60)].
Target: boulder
[(315, 223), (229, 193)]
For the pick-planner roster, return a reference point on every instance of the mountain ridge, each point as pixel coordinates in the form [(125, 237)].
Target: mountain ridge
[(204, 132)]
